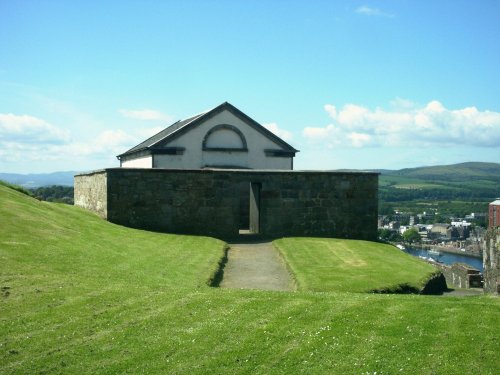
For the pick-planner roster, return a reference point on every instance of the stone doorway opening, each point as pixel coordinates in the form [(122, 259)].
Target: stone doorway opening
[(250, 208)]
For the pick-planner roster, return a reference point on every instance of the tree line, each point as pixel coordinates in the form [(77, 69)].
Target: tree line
[(54, 193), (390, 194)]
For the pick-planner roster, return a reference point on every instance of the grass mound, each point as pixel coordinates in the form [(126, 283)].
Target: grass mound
[(79, 295), (57, 244), (327, 264)]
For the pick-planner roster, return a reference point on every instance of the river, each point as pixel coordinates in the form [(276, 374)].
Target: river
[(447, 258)]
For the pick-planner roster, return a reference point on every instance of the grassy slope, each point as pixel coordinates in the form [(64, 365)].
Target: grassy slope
[(325, 264), (65, 244), (80, 295)]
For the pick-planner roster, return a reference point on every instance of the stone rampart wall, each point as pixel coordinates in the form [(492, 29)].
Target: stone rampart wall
[(461, 275), (91, 192), (491, 261), (207, 202)]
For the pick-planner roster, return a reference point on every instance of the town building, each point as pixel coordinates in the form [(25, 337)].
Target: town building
[(440, 231), (494, 214), (461, 223)]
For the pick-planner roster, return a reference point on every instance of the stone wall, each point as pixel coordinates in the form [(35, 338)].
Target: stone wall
[(461, 275), (91, 192), (491, 261), (207, 202)]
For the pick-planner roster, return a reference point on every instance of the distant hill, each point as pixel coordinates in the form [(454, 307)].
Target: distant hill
[(456, 189), (455, 172), (34, 180), (458, 181)]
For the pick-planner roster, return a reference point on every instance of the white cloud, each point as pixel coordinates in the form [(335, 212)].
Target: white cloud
[(28, 138), (331, 110), (407, 125), (145, 114), (275, 129), (30, 129), (375, 12), (400, 103), (359, 139), (103, 145), (108, 142), (330, 135)]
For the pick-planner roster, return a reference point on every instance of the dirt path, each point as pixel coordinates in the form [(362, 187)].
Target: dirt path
[(255, 265)]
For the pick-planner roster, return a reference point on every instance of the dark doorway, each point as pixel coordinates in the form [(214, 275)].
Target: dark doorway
[(255, 207), (244, 217), (249, 220)]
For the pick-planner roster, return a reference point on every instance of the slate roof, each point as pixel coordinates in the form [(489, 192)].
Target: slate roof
[(151, 141), (180, 127)]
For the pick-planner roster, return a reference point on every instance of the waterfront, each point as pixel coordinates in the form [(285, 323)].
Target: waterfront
[(446, 258)]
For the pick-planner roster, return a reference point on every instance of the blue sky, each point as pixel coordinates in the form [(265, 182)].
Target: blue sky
[(352, 84)]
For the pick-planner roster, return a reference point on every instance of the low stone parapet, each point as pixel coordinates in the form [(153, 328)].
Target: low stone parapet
[(209, 202), (461, 275)]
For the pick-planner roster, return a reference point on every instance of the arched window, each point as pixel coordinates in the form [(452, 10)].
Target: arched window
[(224, 138)]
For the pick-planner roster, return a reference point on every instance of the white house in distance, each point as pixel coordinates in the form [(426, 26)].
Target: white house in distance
[(223, 137)]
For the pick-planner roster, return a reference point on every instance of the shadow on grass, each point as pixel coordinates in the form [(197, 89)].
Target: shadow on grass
[(216, 278), (435, 285)]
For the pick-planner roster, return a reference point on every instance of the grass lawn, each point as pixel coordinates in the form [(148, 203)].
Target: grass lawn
[(327, 264), (56, 245), (79, 295)]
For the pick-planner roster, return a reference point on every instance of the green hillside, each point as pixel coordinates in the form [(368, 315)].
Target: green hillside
[(455, 172), (449, 189), (79, 295), (457, 176)]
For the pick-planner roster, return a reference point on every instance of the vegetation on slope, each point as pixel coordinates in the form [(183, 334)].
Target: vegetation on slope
[(16, 188), (80, 295), (54, 193), (327, 264), (456, 172), (454, 190)]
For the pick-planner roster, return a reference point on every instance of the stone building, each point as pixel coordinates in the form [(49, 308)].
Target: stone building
[(222, 174), (208, 202), (223, 137), (440, 232), (461, 275)]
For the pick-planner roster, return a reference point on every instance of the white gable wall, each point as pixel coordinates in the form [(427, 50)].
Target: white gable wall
[(141, 162), (194, 157)]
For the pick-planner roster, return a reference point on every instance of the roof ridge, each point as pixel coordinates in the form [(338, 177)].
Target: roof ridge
[(261, 128), (179, 127), (154, 135), (191, 119)]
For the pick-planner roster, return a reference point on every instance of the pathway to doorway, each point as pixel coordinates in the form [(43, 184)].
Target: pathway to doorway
[(255, 265)]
